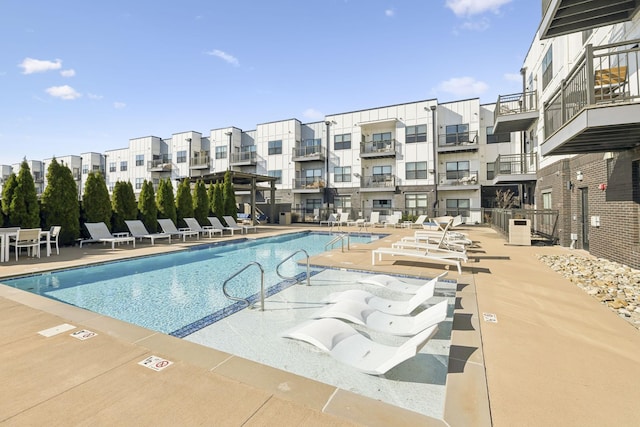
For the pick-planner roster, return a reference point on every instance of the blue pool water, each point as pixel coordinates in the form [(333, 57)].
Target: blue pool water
[(181, 292)]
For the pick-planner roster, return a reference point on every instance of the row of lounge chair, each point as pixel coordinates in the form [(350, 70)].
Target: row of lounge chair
[(137, 230), (329, 332)]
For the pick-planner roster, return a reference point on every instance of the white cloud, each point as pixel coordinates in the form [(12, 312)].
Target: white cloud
[(479, 25), (312, 114), (513, 77), (119, 105), (463, 87), (475, 7), (63, 92), (224, 56), (68, 73), (94, 96), (389, 12), (30, 65)]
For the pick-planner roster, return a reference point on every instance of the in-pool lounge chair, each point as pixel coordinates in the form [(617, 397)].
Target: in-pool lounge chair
[(348, 346), (233, 224), (139, 231), (194, 225), (169, 227), (376, 320), (399, 308), (100, 233), (395, 284), (216, 224)]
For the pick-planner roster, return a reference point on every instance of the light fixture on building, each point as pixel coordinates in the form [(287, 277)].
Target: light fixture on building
[(579, 176)]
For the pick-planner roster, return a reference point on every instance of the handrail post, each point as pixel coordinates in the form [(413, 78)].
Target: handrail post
[(289, 257)]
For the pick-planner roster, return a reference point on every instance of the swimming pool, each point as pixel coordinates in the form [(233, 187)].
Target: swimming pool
[(180, 292)]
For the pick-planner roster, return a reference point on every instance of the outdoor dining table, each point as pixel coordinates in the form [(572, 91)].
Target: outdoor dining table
[(5, 237)]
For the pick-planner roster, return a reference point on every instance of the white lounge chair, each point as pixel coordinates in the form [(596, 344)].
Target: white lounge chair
[(392, 221), (331, 221), (348, 346), (194, 225), (216, 224), (385, 305), (169, 227), (395, 284), (343, 219), (139, 231), (233, 224), (376, 320), (418, 222), (100, 233), (430, 254), (374, 220)]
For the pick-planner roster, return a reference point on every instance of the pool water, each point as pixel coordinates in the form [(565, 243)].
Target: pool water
[(181, 292)]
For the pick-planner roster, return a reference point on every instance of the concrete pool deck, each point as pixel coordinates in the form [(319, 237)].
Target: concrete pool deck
[(555, 356)]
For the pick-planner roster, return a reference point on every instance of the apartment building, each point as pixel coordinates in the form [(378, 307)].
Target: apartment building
[(579, 112)]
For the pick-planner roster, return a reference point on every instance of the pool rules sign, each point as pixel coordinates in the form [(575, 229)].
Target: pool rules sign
[(156, 363)]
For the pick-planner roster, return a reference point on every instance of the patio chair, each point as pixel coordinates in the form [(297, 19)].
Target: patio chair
[(194, 225), (216, 224), (169, 227), (399, 308), (362, 314), (54, 233), (348, 346), (395, 284), (233, 224), (27, 238), (139, 231), (100, 233)]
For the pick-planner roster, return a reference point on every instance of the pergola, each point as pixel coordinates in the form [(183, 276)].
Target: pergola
[(244, 181)]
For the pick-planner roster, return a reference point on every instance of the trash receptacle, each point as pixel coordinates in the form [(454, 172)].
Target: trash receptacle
[(520, 232), (285, 218)]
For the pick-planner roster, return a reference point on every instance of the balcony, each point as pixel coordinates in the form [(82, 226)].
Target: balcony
[(597, 106), (463, 141), (308, 153), (378, 183), (159, 165), (515, 168), (570, 16), (458, 180), (200, 160), (308, 185), (244, 158), (516, 112), (369, 149)]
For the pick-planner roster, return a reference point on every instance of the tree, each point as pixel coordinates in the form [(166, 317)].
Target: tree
[(506, 199), (8, 189), (147, 207), (230, 206), (96, 202), (184, 202), (60, 203), (124, 205), (24, 210), (218, 205), (165, 201), (211, 194), (200, 202)]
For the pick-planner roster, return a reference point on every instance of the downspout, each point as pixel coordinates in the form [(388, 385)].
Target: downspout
[(435, 160)]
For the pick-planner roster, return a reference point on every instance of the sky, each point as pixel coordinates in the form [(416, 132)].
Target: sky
[(86, 76)]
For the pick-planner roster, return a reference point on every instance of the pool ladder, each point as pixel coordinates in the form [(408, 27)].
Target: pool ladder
[(246, 301), (340, 238), (288, 258)]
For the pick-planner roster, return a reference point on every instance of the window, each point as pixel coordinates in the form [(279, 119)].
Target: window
[(381, 173), (112, 166), (415, 201), (139, 182), (381, 204), (381, 141), (311, 143), (457, 170), (491, 170), (493, 138), (311, 176), (311, 205), (342, 142), (417, 170), (95, 168), (457, 207), (275, 147), (416, 134), (342, 202), (181, 157), (547, 67), (456, 134), (276, 174), (139, 159), (221, 152), (85, 169), (546, 204), (123, 166), (342, 174)]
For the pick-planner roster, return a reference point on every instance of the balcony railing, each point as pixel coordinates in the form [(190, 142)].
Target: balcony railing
[(458, 178), (308, 183), (378, 181), (200, 161), (309, 152), (378, 148), (244, 157), (515, 112), (461, 140), (516, 164), (603, 75), (159, 165)]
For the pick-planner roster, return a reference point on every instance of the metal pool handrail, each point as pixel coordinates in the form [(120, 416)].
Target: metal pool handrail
[(226, 294), (340, 238), (289, 257)]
